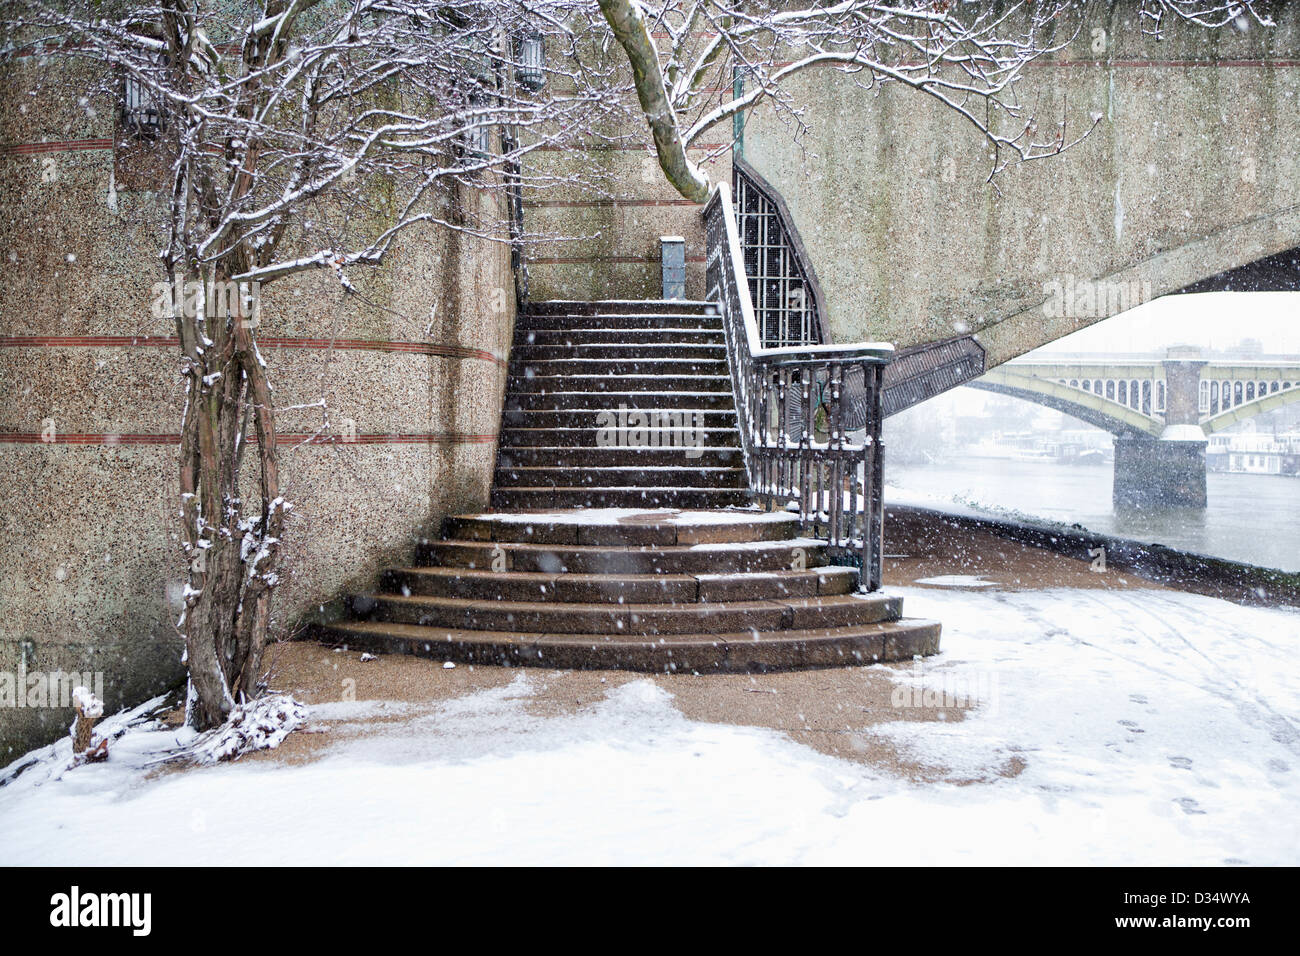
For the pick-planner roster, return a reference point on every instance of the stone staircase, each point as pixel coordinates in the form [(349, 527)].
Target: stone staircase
[(572, 361), (626, 549)]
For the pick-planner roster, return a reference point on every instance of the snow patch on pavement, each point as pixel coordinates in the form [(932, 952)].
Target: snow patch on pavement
[(1123, 727)]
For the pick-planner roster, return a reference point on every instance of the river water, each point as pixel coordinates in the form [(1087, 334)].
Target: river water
[(1251, 518)]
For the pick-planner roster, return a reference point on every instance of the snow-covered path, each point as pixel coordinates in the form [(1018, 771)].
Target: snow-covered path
[(1139, 726)]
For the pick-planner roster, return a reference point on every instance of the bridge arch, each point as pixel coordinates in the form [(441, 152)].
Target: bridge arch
[(1093, 407), (1131, 398), (1274, 398)]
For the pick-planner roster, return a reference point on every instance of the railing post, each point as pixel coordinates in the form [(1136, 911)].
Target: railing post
[(875, 407)]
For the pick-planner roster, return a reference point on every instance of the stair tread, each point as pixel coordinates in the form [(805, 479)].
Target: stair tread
[(875, 598), (423, 632), (528, 546)]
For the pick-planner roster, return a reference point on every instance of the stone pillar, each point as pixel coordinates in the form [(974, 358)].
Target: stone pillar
[(1158, 473), (1169, 470), (1183, 364)]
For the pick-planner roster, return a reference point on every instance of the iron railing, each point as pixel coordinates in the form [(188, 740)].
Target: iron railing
[(806, 441), (782, 285)]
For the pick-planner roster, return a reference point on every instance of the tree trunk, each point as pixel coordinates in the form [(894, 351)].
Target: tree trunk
[(232, 555)]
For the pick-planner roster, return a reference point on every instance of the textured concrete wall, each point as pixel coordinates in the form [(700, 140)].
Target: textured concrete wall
[(609, 209), (89, 566), (1192, 170)]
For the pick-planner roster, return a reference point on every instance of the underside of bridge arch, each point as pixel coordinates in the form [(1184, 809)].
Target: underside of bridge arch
[(1278, 273), (1092, 409)]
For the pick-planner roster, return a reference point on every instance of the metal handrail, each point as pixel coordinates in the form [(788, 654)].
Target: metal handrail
[(804, 439)]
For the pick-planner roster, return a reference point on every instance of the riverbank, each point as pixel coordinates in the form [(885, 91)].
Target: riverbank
[(1251, 519), (924, 542)]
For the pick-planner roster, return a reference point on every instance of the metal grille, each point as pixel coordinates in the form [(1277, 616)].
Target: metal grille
[(924, 371), (784, 304)]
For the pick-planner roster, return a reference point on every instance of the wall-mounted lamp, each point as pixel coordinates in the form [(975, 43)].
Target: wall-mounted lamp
[(141, 108), (530, 60)]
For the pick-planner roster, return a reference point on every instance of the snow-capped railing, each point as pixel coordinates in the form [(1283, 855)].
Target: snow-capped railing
[(809, 415)]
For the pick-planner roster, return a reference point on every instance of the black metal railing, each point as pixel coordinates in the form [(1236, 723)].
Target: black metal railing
[(782, 285), (809, 415)]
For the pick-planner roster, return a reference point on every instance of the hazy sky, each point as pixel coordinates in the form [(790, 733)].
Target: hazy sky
[(1212, 320)]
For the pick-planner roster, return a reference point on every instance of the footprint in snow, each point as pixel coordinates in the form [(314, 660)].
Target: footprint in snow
[(1180, 763), (1189, 805)]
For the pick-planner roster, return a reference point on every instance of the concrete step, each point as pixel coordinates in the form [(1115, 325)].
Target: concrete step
[(685, 474), (794, 554), (695, 617), (518, 382), (576, 497), (684, 418), (529, 322), (529, 354), (591, 336), (638, 307), (632, 367), (639, 401), (673, 438), (486, 585), (743, 652), (623, 527), (612, 457)]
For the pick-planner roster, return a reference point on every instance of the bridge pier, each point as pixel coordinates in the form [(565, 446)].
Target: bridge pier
[(1159, 472), (1169, 470)]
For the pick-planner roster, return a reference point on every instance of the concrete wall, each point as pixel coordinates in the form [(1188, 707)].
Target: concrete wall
[(1192, 170), (89, 565), (609, 207)]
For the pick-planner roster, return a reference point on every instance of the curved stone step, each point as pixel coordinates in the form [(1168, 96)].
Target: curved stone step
[(741, 652), (790, 554), (693, 617), (479, 584), (685, 472), (623, 527), (534, 498)]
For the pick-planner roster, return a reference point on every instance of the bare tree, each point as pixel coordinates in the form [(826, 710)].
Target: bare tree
[(967, 56), (274, 117)]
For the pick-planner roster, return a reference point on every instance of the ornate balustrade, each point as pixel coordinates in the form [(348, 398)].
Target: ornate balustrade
[(809, 414)]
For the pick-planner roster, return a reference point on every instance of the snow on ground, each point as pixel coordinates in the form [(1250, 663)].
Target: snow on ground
[(1123, 727), (957, 581)]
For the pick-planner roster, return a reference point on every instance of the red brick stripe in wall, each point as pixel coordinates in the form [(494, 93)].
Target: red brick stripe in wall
[(427, 438), (166, 341)]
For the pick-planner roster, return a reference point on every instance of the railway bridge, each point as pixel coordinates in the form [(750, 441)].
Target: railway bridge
[(1161, 408)]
